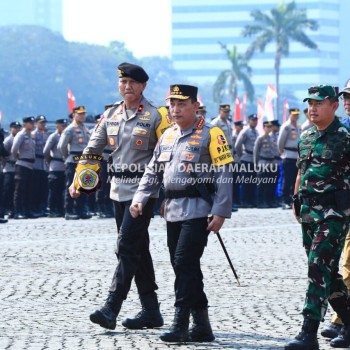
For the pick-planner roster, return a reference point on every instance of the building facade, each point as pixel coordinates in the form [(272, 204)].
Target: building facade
[(46, 13), (199, 26)]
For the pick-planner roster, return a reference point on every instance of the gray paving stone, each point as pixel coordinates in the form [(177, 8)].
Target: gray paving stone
[(54, 273)]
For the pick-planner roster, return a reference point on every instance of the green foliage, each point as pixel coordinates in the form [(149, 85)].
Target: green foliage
[(283, 24), (37, 67), (226, 85)]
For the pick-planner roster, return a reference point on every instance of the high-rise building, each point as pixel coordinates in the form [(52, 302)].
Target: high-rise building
[(198, 27), (46, 13)]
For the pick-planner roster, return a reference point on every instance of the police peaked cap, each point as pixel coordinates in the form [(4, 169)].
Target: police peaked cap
[(79, 109), (62, 121), (132, 71), (294, 111), (346, 89), (183, 92), (15, 125), (30, 119), (40, 118)]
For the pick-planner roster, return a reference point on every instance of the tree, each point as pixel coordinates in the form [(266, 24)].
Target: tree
[(284, 23), (227, 81)]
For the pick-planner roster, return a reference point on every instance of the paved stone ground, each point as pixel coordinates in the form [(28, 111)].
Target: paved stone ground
[(54, 273)]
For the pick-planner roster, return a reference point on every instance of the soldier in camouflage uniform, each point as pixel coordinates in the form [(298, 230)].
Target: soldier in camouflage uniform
[(322, 205), (186, 146), (131, 128), (332, 330)]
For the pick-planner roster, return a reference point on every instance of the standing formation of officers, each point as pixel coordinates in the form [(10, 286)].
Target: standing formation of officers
[(264, 168), (37, 169)]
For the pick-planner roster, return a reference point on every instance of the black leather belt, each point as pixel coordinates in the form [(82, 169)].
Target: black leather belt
[(107, 151), (189, 192), (249, 152), (10, 162), (76, 153), (327, 198), (39, 156), (291, 149), (265, 158), (57, 159), (29, 160)]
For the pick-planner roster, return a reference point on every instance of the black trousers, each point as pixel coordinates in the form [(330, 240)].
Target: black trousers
[(290, 172), (8, 189), (186, 243), (248, 189), (22, 194), (39, 190), (77, 205), (103, 201), (56, 180), (134, 257)]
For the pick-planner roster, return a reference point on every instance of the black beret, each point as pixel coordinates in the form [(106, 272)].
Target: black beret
[(132, 71), (30, 119), (97, 117), (238, 123), (62, 121), (40, 118), (15, 125), (183, 92)]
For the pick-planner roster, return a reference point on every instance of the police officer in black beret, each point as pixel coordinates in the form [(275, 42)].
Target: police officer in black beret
[(131, 128)]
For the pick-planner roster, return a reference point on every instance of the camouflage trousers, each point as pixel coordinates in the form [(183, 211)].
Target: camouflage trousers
[(324, 242)]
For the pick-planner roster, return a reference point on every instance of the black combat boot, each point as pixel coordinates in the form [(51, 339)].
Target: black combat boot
[(201, 330), (178, 331), (331, 330), (343, 339), (149, 316), (106, 317), (307, 338)]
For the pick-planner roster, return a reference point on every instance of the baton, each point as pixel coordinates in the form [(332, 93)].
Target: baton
[(227, 256)]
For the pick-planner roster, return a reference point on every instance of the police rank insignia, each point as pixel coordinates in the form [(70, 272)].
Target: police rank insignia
[(87, 175)]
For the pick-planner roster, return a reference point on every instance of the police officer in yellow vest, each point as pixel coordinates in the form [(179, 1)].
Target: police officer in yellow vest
[(131, 128), (192, 156), (72, 143)]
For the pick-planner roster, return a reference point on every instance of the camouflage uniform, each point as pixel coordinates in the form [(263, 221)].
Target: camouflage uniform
[(324, 165)]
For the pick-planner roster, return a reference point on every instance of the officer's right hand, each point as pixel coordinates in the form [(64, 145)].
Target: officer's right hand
[(74, 193), (135, 209)]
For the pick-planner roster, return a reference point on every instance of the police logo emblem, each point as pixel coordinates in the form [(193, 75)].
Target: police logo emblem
[(87, 178)]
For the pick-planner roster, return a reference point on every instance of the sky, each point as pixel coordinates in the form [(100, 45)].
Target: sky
[(144, 26)]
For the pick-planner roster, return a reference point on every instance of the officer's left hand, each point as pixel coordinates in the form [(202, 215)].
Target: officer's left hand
[(215, 223), (74, 193), (135, 209)]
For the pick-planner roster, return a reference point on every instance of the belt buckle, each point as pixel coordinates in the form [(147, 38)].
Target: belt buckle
[(314, 201)]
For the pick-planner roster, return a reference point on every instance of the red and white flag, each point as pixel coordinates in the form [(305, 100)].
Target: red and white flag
[(260, 112), (285, 110), (244, 107), (270, 95), (71, 101), (237, 116)]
